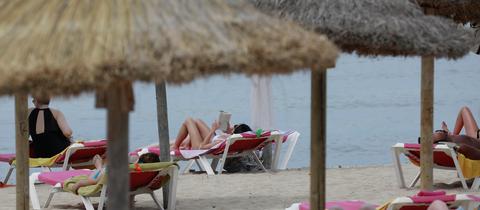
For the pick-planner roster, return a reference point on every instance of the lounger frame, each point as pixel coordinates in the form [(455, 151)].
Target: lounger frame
[(218, 160), (460, 200), (172, 171), (399, 148), (65, 164)]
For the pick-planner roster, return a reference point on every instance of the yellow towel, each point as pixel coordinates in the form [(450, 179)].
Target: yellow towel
[(36, 162), (470, 168), (89, 190), (384, 206)]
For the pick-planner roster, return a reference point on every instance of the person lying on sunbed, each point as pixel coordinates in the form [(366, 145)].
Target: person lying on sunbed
[(466, 121), (80, 181), (468, 144), (90, 180), (195, 134)]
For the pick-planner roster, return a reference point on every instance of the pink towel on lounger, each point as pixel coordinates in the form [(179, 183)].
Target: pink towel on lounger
[(54, 177)]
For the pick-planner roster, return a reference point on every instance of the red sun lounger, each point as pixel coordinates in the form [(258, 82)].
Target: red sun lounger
[(420, 201), (78, 154), (236, 145), (444, 157), (151, 177)]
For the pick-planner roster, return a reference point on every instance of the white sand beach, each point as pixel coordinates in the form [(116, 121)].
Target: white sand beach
[(375, 184)]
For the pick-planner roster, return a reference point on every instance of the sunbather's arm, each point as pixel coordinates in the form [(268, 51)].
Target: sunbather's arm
[(82, 183), (207, 139), (62, 123), (210, 145)]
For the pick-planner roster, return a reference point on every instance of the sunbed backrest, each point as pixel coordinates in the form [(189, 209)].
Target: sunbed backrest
[(440, 158), (243, 142), (246, 144), (141, 179), (85, 153), (240, 145)]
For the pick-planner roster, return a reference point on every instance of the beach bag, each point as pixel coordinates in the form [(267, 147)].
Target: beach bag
[(242, 164)]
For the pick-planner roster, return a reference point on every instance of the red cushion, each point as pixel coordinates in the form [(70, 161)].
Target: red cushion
[(141, 179), (431, 193), (429, 199)]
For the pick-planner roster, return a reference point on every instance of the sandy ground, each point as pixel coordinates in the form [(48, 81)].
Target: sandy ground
[(375, 184)]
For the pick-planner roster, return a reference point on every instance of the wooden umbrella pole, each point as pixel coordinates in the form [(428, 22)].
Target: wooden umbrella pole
[(318, 138), (426, 152), (163, 135), (162, 121), (119, 103), (22, 151)]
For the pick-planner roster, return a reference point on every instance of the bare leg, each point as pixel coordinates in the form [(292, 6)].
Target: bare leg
[(194, 133), (182, 134), (210, 145), (204, 130), (186, 143), (188, 128), (465, 120)]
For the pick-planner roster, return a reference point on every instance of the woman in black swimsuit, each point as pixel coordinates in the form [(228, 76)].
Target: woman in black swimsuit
[(48, 128)]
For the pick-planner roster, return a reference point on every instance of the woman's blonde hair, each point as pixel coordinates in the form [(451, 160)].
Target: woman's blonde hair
[(45, 100)]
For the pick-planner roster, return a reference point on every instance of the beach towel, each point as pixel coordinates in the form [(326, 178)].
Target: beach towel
[(470, 168), (423, 199), (89, 190), (37, 162), (50, 161), (145, 178)]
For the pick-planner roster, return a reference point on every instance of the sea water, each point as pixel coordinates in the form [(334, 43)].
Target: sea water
[(372, 103)]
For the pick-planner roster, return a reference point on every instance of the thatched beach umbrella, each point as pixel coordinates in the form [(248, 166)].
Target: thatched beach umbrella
[(373, 28), (462, 11), (67, 47)]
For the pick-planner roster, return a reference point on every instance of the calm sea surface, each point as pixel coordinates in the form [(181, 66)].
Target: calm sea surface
[(372, 104)]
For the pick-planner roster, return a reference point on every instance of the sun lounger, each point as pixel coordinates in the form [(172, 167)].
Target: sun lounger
[(420, 201), (444, 157), (236, 145), (345, 205), (78, 154), (151, 177), (423, 199), (290, 138)]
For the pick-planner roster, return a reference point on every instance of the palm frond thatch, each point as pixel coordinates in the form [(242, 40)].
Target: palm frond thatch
[(459, 10), (65, 47), (375, 27)]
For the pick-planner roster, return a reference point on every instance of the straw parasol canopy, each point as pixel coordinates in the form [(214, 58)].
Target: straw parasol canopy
[(65, 47), (375, 27), (462, 11)]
